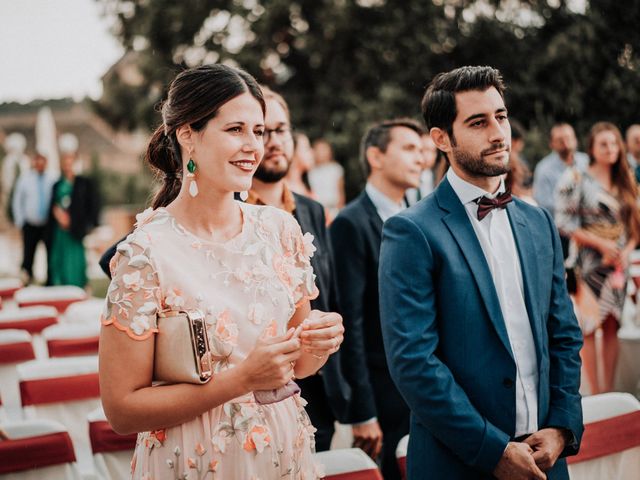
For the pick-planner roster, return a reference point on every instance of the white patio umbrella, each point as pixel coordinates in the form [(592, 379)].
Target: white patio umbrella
[(46, 140)]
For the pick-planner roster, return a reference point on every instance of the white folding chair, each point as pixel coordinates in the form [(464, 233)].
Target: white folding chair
[(36, 450), (68, 340), (112, 453), (59, 297), (85, 311), (31, 319), (348, 464), (628, 369), (401, 455), (8, 287), (15, 348), (611, 442), (65, 390)]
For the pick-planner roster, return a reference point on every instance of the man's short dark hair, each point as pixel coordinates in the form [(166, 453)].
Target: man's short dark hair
[(379, 135), (439, 101)]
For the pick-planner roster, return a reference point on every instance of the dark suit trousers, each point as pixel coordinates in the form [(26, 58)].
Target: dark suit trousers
[(318, 410), (31, 236), (393, 416)]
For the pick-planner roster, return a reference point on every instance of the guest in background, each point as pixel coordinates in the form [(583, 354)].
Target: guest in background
[(597, 209), (327, 178), (30, 207), (302, 162), (429, 156), (633, 149), (519, 180), (74, 212), (391, 154), (564, 155)]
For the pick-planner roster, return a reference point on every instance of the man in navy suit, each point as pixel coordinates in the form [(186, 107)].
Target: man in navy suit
[(391, 154), (478, 327)]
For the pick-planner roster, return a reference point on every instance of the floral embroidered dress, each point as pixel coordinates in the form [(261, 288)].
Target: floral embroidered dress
[(582, 202), (248, 287)]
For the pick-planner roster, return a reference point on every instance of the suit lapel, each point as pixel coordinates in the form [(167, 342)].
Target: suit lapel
[(463, 233), (528, 265), (374, 219)]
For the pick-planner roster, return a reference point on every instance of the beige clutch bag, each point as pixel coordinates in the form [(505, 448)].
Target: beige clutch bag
[(182, 353)]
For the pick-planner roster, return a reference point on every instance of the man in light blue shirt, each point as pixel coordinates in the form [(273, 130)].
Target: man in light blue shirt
[(563, 144), (30, 207)]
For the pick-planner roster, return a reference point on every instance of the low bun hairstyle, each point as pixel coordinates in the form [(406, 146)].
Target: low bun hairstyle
[(195, 96)]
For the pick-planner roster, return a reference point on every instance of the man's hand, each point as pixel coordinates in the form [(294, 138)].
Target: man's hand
[(368, 437), (517, 463), (547, 444)]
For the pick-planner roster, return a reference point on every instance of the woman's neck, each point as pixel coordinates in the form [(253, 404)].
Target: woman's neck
[(214, 215), (602, 173)]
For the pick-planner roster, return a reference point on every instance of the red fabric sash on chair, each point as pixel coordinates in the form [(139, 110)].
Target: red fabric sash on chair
[(609, 436), (60, 305), (372, 474), (402, 464), (104, 439), (31, 325), (59, 389), (8, 292), (36, 452), (16, 352), (69, 347)]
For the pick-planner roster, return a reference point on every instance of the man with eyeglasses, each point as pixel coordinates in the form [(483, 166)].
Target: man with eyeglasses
[(327, 392)]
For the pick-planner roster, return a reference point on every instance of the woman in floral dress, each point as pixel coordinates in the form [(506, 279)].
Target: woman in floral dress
[(598, 210), (246, 268)]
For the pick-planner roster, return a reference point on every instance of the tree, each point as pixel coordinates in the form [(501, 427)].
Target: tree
[(343, 64)]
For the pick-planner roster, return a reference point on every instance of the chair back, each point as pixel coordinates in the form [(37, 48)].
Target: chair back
[(348, 464), (59, 297), (112, 453), (401, 455), (37, 449), (610, 445), (68, 340)]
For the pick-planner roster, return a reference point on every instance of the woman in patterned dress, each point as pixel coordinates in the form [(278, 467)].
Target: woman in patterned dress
[(246, 268), (598, 210)]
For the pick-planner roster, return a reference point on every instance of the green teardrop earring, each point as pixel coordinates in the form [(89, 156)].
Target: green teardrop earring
[(193, 186)]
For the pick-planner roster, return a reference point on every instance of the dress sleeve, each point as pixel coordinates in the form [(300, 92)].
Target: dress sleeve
[(568, 200), (298, 250), (133, 297)]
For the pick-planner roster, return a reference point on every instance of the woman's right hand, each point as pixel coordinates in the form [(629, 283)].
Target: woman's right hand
[(610, 251), (270, 364)]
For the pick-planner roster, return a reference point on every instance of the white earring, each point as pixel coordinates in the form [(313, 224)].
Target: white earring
[(244, 195)]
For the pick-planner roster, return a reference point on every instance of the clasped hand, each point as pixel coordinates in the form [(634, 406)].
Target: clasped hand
[(531, 458), (272, 361), (322, 333)]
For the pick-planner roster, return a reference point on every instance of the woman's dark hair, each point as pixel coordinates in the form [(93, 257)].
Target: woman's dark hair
[(439, 101), (621, 178), (195, 96)]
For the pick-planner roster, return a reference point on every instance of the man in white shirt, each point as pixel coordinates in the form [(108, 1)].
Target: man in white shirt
[(30, 208), (392, 158), (478, 327)]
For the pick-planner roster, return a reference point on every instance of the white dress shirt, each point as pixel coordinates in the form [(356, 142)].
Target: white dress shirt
[(384, 205), (498, 245), (32, 198)]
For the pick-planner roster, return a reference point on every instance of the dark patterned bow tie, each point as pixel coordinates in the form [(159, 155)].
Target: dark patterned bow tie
[(485, 205)]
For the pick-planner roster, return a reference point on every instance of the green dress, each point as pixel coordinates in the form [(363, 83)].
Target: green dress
[(67, 262)]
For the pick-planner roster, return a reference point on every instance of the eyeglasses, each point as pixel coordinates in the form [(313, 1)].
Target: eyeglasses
[(282, 132)]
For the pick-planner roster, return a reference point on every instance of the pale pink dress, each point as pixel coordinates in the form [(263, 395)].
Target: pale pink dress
[(249, 287)]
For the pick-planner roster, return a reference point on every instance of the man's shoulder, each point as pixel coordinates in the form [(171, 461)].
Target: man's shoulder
[(546, 163), (357, 208), (308, 203)]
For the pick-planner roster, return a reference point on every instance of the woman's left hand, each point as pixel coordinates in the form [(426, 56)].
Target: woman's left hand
[(322, 333)]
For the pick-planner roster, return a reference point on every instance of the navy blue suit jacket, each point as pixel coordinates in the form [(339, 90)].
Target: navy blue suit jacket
[(447, 344)]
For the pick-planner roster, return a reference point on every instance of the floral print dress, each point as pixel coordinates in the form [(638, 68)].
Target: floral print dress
[(248, 287), (582, 203)]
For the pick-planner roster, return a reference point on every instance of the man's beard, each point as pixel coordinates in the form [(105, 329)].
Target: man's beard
[(476, 166), (271, 175)]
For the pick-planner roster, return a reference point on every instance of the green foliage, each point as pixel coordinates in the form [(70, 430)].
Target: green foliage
[(343, 64), (117, 188)]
